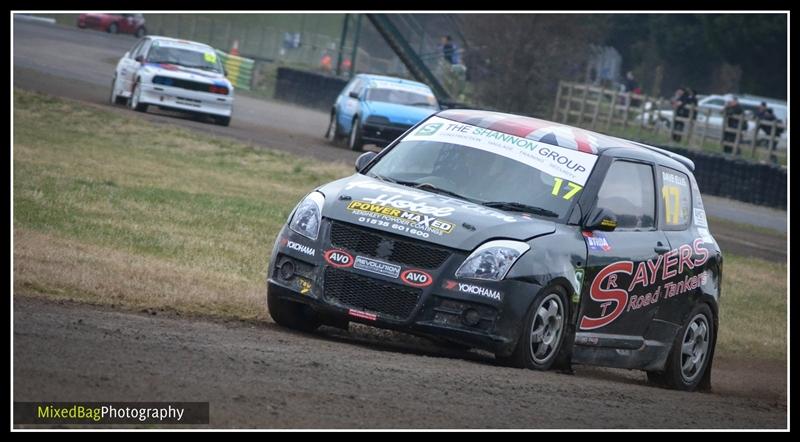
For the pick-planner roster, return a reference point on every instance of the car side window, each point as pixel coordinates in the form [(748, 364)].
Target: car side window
[(629, 192), (676, 193), (136, 48)]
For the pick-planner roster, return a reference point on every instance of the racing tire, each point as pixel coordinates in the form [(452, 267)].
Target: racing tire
[(691, 353), (113, 28), (541, 344), (354, 141), (114, 98), (332, 135), (293, 315), (222, 121), (134, 100), (141, 31)]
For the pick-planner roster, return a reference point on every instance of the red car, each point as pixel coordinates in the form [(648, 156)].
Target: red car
[(114, 23)]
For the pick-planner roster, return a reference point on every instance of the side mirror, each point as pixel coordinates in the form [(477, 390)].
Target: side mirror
[(601, 219), (139, 58), (353, 94), (363, 160)]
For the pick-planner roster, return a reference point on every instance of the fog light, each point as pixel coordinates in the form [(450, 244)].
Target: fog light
[(286, 270), (471, 317)]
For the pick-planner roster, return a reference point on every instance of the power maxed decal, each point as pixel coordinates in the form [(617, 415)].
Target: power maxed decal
[(386, 209), (615, 300)]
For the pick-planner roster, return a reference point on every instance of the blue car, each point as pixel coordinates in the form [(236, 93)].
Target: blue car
[(374, 109)]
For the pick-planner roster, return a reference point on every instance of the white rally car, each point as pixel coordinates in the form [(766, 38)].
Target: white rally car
[(175, 75)]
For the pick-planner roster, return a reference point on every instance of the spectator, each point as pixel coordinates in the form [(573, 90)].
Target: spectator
[(326, 63), (449, 50), (733, 112), (679, 102), (766, 119), (632, 87)]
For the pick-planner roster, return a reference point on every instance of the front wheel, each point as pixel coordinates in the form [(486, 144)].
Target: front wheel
[(354, 141), (222, 121), (293, 315), (541, 345), (691, 353), (135, 96)]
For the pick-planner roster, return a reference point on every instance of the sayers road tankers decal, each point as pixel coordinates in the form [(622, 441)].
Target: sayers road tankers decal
[(339, 258), (463, 287), (378, 267), (615, 299), (416, 278), (561, 162)]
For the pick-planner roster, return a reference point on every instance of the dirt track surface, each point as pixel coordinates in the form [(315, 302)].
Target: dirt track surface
[(259, 375)]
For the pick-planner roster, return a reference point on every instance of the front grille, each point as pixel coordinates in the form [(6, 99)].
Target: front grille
[(385, 246), (185, 84), (351, 290)]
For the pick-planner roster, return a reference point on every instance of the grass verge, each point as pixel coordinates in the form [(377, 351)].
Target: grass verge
[(111, 209)]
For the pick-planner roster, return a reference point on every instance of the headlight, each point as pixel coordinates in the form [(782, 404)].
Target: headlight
[(308, 215), (492, 260)]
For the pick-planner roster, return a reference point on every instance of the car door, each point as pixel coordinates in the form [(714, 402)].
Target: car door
[(128, 66), (690, 242), (617, 303), (350, 105)]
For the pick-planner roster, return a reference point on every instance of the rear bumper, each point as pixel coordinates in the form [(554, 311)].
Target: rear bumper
[(187, 100)]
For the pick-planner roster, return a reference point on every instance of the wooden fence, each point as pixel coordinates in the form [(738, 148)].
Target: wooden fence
[(641, 116)]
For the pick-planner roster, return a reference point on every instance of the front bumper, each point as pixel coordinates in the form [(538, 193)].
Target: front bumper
[(187, 100), (481, 314), (382, 134)]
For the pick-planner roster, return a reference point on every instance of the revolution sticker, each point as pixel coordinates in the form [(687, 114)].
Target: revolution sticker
[(377, 267), (568, 164)]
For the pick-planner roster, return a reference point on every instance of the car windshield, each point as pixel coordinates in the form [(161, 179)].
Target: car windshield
[(534, 179), (401, 96), (191, 58)]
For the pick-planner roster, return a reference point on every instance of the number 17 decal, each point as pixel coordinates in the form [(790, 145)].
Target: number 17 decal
[(573, 188)]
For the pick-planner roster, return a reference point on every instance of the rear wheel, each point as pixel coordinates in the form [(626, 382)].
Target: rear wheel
[(113, 28), (292, 315), (691, 353), (332, 134), (541, 345), (354, 140), (114, 98), (135, 96)]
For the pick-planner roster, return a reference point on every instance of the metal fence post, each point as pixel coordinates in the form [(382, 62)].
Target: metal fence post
[(583, 103), (569, 103), (558, 100)]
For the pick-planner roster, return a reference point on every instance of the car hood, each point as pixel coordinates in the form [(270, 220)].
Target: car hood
[(175, 71), (398, 113), (450, 222)]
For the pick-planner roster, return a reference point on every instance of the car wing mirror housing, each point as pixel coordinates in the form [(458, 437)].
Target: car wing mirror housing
[(363, 160), (139, 58), (601, 219), (353, 94)]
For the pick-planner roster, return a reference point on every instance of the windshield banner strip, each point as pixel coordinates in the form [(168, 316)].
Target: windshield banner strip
[(379, 84), (568, 164)]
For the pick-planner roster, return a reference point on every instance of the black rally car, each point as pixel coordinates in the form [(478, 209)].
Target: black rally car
[(543, 243)]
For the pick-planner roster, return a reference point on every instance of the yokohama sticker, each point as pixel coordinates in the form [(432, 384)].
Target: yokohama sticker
[(560, 162), (339, 258), (416, 278), (473, 289)]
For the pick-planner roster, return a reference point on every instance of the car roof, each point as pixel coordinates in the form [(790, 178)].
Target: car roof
[(385, 78), (561, 135), (178, 41)]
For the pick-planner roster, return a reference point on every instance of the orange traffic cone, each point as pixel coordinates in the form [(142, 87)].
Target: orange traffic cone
[(235, 48)]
